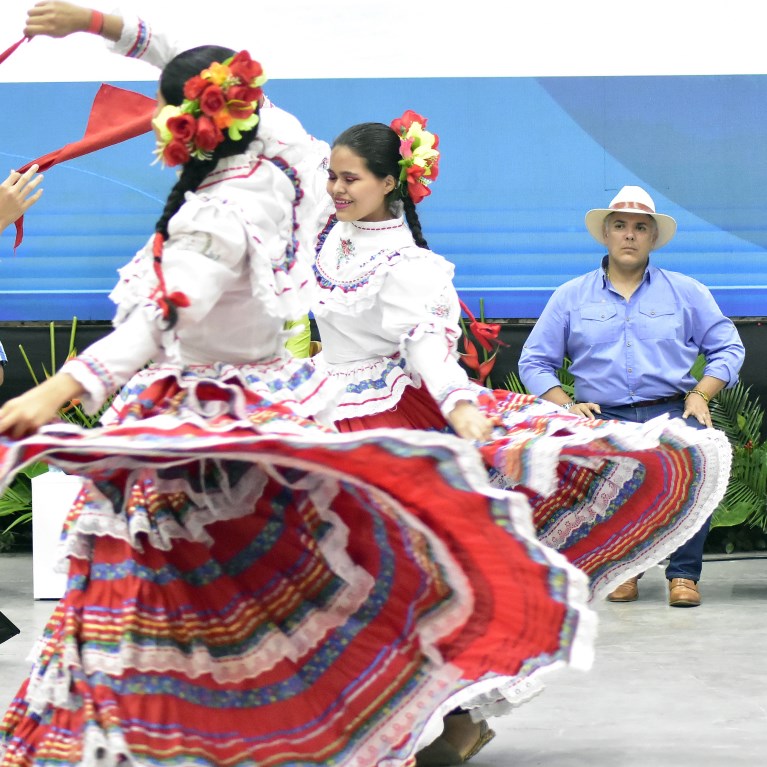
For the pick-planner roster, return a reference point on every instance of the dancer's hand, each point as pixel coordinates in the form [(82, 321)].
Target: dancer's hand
[(26, 413), (469, 422), (56, 19), (18, 195)]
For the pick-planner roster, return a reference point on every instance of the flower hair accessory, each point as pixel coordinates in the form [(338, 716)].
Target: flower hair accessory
[(223, 97), (420, 158)]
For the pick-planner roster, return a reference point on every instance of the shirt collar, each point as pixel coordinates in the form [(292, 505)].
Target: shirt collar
[(647, 277)]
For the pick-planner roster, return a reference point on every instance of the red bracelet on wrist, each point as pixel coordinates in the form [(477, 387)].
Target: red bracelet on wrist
[(97, 23)]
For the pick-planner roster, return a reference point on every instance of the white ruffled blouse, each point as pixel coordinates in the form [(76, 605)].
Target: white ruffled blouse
[(388, 317), (233, 249)]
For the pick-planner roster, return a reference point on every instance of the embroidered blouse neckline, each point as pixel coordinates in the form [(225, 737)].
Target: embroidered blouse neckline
[(377, 226)]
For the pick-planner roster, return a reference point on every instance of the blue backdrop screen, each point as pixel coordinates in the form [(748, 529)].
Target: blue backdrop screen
[(523, 159)]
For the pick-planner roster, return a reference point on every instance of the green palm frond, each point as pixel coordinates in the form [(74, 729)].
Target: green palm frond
[(513, 384), (739, 505), (738, 415)]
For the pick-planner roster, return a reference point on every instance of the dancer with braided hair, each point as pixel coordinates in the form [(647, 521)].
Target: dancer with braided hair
[(606, 495), (246, 585)]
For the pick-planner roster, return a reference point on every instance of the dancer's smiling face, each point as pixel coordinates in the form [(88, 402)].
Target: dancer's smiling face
[(358, 194)]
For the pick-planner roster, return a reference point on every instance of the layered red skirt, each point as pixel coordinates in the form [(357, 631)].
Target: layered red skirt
[(251, 589), (614, 498)]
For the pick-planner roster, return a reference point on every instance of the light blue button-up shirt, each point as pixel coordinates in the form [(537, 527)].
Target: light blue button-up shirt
[(3, 358), (630, 351)]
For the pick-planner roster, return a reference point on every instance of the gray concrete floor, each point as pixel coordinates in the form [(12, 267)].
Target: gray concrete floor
[(669, 686)]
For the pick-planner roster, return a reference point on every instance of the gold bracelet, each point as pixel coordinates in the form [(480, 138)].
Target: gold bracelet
[(701, 393)]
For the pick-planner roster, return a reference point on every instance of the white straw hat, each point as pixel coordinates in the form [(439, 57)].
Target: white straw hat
[(631, 199)]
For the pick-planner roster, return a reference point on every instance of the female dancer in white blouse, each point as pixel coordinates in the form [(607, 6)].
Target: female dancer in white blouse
[(247, 585)]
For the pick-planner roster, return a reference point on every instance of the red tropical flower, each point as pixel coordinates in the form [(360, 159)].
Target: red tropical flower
[(401, 124), (245, 68), (175, 153)]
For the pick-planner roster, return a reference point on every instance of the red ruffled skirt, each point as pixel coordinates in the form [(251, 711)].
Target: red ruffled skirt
[(247, 588), (614, 498)]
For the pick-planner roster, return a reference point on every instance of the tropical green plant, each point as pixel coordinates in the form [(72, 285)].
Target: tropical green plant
[(72, 412), (739, 415), (743, 508), (16, 503)]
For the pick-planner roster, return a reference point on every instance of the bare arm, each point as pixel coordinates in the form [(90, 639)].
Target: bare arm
[(27, 413), (58, 19)]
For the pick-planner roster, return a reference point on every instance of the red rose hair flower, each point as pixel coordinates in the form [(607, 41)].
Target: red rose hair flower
[(221, 101)]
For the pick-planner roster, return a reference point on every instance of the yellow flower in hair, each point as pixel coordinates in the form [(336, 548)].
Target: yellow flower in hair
[(424, 157), (217, 73)]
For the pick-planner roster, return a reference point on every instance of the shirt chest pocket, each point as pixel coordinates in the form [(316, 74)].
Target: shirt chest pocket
[(600, 323), (658, 321)]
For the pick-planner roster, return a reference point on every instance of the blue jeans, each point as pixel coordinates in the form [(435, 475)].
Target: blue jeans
[(687, 560)]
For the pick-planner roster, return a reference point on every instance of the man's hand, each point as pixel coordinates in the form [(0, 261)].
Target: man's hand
[(695, 406), (586, 409)]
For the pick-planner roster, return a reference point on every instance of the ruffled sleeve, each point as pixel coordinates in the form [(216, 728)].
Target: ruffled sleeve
[(240, 226), (282, 137), (420, 306), (106, 365)]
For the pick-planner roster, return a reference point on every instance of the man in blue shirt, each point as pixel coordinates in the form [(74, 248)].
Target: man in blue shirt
[(632, 332)]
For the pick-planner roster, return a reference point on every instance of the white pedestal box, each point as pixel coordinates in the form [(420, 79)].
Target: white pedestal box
[(53, 494)]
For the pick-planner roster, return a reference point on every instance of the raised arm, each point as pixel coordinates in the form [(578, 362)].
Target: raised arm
[(127, 35), (58, 19)]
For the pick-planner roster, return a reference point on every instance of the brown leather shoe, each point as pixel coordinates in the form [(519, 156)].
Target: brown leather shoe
[(626, 592), (444, 752), (683, 592)]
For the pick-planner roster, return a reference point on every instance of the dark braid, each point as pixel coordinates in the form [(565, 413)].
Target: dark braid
[(378, 145), (411, 216)]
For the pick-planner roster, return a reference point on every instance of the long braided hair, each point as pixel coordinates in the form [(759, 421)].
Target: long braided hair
[(379, 146), (172, 80)]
